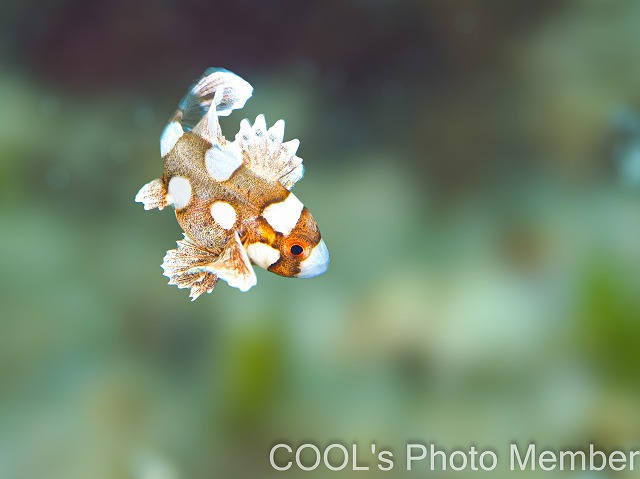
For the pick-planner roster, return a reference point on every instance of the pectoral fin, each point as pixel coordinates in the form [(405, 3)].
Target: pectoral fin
[(153, 195), (234, 266)]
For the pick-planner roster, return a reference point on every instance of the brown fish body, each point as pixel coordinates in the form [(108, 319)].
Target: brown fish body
[(232, 199)]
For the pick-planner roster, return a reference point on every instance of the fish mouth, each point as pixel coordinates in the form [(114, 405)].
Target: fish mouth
[(317, 262)]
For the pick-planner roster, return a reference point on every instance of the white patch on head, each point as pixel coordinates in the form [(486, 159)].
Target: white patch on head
[(222, 161), (262, 254), (170, 136), (284, 216), (180, 191), (317, 262), (223, 214)]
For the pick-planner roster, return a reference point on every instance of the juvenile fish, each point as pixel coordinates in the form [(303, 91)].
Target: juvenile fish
[(231, 198)]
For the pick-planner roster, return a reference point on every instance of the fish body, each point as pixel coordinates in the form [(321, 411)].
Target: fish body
[(231, 198)]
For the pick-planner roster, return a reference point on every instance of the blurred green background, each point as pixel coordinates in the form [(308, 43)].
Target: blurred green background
[(475, 171)]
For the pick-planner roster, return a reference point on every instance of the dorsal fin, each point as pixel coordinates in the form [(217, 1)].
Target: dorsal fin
[(216, 93), (266, 155)]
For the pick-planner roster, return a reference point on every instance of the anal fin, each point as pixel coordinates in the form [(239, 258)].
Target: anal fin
[(200, 282), (186, 268)]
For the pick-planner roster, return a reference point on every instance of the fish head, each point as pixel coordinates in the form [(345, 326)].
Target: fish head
[(302, 256), (295, 247)]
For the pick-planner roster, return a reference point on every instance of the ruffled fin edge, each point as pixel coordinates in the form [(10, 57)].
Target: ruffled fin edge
[(216, 93), (194, 267), (265, 153)]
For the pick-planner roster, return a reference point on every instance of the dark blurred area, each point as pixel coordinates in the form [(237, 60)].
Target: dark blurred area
[(474, 168), (412, 69)]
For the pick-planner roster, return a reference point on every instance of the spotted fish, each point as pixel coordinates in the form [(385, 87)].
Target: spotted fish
[(231, 198)]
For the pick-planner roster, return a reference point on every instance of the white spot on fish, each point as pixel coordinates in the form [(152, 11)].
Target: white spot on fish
[(222, 161), (180, 191), (284, 216), (262, 254), (170, 136), (223, 214)]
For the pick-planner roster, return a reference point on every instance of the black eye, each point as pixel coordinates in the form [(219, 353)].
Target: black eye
[(296, 249)]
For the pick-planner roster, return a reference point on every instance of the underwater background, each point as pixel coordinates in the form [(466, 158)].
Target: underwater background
[(475, 171)]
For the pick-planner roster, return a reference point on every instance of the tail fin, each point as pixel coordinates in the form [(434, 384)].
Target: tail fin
[(216, 93)]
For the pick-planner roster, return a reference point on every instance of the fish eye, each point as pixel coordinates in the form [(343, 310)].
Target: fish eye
[(296, 249)]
